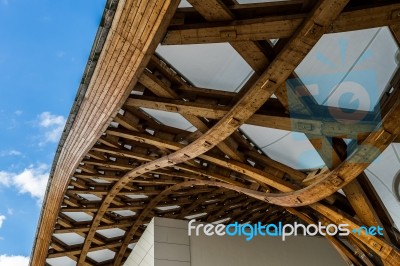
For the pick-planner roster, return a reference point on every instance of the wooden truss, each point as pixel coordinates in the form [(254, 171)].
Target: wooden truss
[(130, 163)]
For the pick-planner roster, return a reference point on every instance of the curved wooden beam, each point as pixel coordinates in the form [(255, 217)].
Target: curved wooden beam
[(109, 86), (276, 27), (388, 254), (258, 60), (137, 28), (368, 151), (344, 128), (347, 171), (242, 168), (258, 175), (295, 51)]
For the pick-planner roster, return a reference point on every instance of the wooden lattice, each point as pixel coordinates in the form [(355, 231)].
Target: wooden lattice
[(121, 167)]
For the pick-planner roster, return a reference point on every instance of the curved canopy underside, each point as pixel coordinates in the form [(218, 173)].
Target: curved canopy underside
[(223, 111)]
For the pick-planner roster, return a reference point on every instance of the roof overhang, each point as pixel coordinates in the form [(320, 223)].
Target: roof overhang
[(119, 163)]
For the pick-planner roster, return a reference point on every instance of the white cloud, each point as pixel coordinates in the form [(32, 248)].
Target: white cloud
[(7, 260), (4, 178), (14, 153), (18, 112), (48, 120), (32, 180), (10, 211), (10, 153), (2, 218), (53, 124)]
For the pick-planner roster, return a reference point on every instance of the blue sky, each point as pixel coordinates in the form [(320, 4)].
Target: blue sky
[(43, 50)]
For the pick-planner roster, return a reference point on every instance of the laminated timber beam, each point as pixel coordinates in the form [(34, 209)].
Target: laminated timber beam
[(165, 158), (85, 228), (95, 208), (185, 88), (302, 42), (364, 204), (239, 167), (365, 210), (369, 150), (72, 253), (252, 173), (354, 191), (308, 125), (341, 247), (235, 167), (221, 10), (387, 253), (159, 140), (214, 211), (252, 52), (395, 29), (108, 88), (160, 89), (276, 27), (174, 82), (334, 152)]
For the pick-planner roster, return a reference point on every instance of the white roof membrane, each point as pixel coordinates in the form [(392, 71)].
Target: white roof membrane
[(214, 66), (101, 255), (350, 69), (61, 261), (171, 119), (70, 238), (381, 173), (347, 70)]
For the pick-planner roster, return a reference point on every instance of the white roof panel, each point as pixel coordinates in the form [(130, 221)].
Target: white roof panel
[(101, 255), (216, 65), (184, 3), (90, 197), (350, 69), (290, 148), (170, 119), (262, 136), (125, 213), (381, 173), (79, 216), (61, 261), (70, 238), (111, 233), (296, 151)]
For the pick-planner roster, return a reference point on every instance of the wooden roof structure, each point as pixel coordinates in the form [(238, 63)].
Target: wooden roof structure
[(117, 166)]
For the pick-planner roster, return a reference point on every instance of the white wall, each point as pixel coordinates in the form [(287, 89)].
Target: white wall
[(143, 252), (172, 246), (261, 251), (164, 242)]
